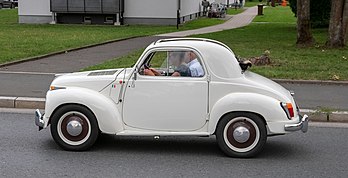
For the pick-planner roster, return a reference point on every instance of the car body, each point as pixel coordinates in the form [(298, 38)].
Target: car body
[(224, 99), (8, 4)]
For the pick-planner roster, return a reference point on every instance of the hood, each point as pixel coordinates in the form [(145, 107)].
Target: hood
[(94, 80), (269, 86)]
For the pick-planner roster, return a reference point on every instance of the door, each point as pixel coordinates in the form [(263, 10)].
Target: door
[(164, 96)]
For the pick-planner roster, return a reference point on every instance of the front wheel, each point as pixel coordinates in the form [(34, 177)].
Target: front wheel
[(241, 135), (74, 128)]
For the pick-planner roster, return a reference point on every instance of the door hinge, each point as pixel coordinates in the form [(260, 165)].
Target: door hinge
[(208, 78), (208, 117)]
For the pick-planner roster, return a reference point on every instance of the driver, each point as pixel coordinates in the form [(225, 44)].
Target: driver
[(194, 65), (177, 60)]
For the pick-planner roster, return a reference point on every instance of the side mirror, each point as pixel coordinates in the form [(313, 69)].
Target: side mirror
[(244, 65)]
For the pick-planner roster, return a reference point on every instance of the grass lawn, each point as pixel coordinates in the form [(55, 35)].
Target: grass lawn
[(20, 41), (122, 62), (275, 31), (253, 3), (233, 11)]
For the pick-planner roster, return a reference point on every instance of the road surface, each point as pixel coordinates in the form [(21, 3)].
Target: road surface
[(26, 152)]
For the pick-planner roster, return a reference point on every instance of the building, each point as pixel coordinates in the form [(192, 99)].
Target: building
[(164, 12)]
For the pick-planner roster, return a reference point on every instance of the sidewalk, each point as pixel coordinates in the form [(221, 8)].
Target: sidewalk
[(75, 60), (237, 21)]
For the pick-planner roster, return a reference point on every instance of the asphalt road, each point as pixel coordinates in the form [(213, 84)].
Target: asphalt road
[(26, 152)]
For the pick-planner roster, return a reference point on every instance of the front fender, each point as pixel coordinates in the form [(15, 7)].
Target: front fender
[(268, 107), (108, 117)]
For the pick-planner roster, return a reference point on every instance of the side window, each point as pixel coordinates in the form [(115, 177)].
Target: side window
[(172, 63)]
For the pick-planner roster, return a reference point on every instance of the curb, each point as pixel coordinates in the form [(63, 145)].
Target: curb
[(39, 103), (316, 82), (22, 102), (319, 116), (64, 51)]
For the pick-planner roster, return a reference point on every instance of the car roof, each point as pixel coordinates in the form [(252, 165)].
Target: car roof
[(217, 56), (194, 42)]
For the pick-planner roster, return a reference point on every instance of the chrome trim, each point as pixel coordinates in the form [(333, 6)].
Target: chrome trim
[(241, 134), (74, 128), (292, 93), (38, 119), (286, 110), (302, 125)]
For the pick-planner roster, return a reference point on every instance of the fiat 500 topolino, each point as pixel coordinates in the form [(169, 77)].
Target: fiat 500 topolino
[(178, 87)]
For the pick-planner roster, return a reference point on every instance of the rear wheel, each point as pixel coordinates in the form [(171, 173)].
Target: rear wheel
[(74, 128), (241, 134)]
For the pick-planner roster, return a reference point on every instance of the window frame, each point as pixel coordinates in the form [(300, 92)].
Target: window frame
[(153, 51)]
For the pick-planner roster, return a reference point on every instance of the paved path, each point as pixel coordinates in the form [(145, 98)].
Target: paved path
[(26, 152), (79, 59), (76, 60), (237, 21)]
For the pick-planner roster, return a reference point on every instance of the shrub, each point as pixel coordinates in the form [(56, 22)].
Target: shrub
[(320, 12)]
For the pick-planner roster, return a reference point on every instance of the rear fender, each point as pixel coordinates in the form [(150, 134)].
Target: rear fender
[(267, 107)]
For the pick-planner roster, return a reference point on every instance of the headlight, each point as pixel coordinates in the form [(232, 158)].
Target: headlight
[(288, 108)]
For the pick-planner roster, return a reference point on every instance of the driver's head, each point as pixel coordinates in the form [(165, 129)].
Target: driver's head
[(190, 56)]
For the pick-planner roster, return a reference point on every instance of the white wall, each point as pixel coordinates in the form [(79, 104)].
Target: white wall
[(34, 7), (151, 8), (38, 11), (190, 6)]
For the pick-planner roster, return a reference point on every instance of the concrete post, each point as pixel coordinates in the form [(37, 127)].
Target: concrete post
[(53, 18), (118, 22)]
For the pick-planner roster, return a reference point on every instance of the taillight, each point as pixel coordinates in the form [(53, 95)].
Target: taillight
[(289, 109)]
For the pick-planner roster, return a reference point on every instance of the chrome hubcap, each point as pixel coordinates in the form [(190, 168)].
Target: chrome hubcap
[(241, 134), (74, 128)]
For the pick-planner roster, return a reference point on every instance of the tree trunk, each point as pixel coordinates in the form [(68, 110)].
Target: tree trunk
[(304, 35), (338, 24), (345, 22)]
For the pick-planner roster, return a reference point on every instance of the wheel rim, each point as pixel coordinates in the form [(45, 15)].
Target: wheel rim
[(74, 128), (241, 134)]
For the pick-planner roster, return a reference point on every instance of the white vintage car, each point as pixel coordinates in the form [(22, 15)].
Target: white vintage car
[(178, 87)]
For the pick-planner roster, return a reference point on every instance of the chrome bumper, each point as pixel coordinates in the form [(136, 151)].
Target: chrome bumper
[(302, 125), (38, 119)]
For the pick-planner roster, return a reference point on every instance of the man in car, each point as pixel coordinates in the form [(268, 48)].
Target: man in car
[(176, 59), (194, 65)]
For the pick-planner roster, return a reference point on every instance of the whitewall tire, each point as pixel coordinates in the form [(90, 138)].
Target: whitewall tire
[(241, 134), (74, 128)]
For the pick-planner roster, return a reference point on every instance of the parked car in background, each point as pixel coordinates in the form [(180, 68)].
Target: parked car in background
[(8, 4), (178, 87)]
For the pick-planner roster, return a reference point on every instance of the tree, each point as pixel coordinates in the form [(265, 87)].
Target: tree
[(319, 12), (338, 24), (304, 34)]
